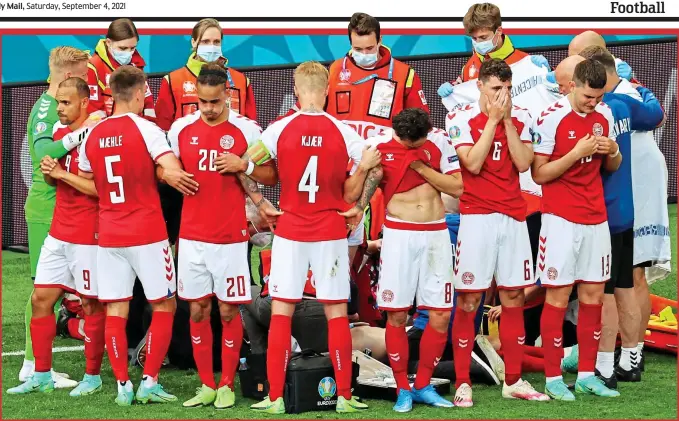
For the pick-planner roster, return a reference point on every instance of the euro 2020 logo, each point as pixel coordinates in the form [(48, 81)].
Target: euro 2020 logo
[(327, 388)]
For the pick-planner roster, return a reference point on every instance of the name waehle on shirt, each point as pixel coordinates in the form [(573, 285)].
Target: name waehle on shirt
[(312, 141), (638, 7), (110, 142)]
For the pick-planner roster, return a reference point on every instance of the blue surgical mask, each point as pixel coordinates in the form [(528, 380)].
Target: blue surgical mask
[(209, 53), (484, 47), (122, 57), (364, 60)]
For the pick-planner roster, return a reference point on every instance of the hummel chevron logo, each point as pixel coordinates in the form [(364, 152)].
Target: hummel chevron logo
[(558, 342), (395, 357), (521, 340), (195, 339), (541, 266), (597, 335), (462, 343), (228, 343)]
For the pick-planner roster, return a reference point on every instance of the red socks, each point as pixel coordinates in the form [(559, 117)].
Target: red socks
[(232, 339), (158, 341), (463, 344), (551, 330), (43, 331), (94, 341), (116, 345), (278, 354), (74, 328), (432, 344), (201, 342), (513, 338), (397, 349), (339, 346), (589, 334)]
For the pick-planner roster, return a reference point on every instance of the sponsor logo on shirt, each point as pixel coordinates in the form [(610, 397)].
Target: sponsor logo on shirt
[(454, 132)]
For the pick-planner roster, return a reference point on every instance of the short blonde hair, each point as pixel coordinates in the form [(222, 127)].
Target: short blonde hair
[(311, 76), (65, 57), (482, 16)]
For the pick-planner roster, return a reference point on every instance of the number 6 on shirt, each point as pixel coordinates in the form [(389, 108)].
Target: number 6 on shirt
[(120, 196), (308, 180)]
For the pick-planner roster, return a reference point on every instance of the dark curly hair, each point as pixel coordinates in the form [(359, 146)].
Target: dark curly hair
[(495, 67), (412, 124), (212, 74), (590, 72)]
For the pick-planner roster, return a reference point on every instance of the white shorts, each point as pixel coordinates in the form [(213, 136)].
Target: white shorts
[(118, 267), (290, 263), (416, 262), (493, 245), (570, 252), (68, 266), (356, 238), (207, 269)]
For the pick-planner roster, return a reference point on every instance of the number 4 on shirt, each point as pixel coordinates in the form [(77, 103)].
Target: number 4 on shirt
[(308, 181)]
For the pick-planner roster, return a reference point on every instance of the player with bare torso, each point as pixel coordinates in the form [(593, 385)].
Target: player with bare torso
[(416, 260)]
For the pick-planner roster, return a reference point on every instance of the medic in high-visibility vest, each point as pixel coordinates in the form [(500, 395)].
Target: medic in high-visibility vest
[(178, 96), (118, 49)]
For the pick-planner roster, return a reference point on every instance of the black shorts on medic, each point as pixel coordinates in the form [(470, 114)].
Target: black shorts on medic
[(622, 255)]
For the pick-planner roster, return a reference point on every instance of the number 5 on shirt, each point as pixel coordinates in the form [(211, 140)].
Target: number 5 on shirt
[(114, 179), (308, 181)]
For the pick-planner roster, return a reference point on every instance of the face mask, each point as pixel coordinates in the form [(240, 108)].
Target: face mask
[(122, 57), (484, 47), (209, 53), (364, 60)]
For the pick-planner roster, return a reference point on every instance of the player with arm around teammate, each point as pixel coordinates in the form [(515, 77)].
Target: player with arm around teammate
[(68, 257), (213, 258), (574, 139), (312, 149), (416, 261), (494, 143), (119, 158)]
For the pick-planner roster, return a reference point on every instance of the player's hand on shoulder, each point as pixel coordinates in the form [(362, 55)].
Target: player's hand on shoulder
[(370, 157), (180, 180), (586, 146), (229, 163)]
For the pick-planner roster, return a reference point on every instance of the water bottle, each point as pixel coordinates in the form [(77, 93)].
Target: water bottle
[(243, 365)]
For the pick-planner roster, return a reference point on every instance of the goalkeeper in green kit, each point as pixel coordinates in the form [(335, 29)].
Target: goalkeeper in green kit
[(64, 62)]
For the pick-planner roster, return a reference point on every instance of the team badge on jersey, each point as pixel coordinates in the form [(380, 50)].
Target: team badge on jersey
[(345, 75), (454, 132), (387, 296), (40, 127), (467, 278), (226, 142), (552, 274), (598, 129)]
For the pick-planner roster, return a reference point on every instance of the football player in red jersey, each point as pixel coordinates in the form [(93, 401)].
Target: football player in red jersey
[(213, 246), (68, 258), (574, 139), (416, 260), (312, 149), (493, 141), (120, 156)]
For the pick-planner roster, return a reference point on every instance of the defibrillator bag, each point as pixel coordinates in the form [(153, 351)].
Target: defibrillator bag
[(310, 383)]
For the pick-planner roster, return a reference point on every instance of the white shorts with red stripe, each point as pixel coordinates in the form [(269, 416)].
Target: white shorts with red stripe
[(571, 252), (415, 262), (207, 269), (68, 266), (153, 264), (492, 246), (290, 263)]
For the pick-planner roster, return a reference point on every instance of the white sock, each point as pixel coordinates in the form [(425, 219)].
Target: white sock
[(584, 374), (149, 381), (604, 363), (640, 349), (551, 379), (629, 358), (126, 386)]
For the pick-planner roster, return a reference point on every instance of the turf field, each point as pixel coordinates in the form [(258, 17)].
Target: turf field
[(655, 397)]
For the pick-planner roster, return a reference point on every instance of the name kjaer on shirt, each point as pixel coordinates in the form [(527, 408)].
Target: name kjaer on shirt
[(312, 141), (110, 142)]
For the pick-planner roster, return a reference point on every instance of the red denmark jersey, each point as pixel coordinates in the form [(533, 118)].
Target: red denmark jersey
[(76, 216), (437, 152), (121, 152), (496, 188), (312, 151), (216, 213), (578, 195)]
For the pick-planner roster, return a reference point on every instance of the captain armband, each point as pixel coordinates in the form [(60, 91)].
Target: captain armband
[(259, 154)]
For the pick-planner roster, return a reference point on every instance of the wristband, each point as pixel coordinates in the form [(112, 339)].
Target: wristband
[(73, 140), (615, 154), (250, 169)]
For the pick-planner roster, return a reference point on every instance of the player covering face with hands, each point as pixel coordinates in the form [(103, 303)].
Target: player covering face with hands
[(213, 252), (493, 140)]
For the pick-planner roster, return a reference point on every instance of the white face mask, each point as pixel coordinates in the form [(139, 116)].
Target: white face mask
[(122, 57), (484, 47), (209, 53), (363, 59)]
